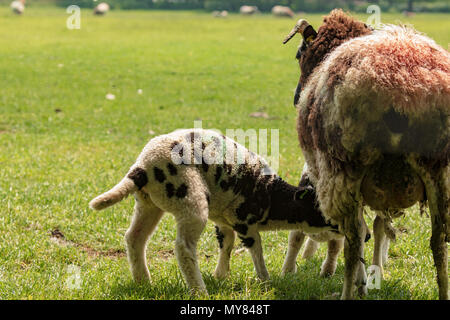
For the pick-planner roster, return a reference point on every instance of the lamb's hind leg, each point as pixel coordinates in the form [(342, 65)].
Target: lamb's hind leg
[(146, 217), (295, 241), (225, 237)]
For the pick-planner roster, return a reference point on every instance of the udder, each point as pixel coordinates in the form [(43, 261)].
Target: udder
[(392, 184)]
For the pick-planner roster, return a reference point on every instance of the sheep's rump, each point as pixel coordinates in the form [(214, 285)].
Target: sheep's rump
[(384, 93), (381, 96)]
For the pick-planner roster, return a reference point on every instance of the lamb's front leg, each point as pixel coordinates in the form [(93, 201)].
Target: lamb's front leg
[(355, 275), (225, 237), (329, 265), (295, 242), (379, 239), (252, 241)]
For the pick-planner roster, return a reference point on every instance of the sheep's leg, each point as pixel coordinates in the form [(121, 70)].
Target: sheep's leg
[(329, 265), (437, 188), (380, 243), (310, 248), (295, 241), (439, 210), (354, 229), (189, 230), (253, 243), (225, 236), (146, 217)]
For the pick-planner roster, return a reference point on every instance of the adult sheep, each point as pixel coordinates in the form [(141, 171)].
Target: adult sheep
[(374, 127), (248, 10), (101, 8), (282, 11), (18, 6)]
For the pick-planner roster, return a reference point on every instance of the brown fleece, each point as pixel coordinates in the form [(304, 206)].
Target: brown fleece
[(337, 28)]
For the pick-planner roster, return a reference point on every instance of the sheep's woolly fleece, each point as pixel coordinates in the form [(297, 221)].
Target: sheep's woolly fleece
[(390, 81)]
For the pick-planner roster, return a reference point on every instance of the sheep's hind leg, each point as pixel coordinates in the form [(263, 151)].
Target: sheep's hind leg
[(146, 217), (439, 209), (252, 241), (355, 274), (437, 191), (295, 242), (226, 237)]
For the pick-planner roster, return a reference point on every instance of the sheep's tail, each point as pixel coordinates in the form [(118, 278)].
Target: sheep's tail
[(116, 194)]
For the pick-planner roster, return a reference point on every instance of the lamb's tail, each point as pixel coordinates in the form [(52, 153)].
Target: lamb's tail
[(116, 194)]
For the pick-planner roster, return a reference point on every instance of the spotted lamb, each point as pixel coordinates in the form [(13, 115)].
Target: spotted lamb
[(198, 174)]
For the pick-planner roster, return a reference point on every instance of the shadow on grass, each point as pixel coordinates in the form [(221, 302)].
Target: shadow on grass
[(306, 284)]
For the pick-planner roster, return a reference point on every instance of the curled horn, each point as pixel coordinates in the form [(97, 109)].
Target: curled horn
[(304, 28)]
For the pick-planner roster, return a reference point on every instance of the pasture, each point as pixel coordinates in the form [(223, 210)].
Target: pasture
[(62, 143)]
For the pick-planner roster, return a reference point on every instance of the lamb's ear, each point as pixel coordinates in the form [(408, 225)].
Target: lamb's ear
[(300, 193), (305, 29)]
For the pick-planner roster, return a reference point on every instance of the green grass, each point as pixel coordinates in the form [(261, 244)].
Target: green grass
[(189, 66)]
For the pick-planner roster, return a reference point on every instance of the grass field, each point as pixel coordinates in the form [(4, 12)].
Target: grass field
[(62, 143)]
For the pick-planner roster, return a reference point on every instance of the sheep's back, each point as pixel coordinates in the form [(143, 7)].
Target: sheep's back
[(387, 92)]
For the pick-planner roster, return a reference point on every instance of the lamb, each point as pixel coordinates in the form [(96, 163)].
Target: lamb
[(282, 11), (374, 127), (198, 175)]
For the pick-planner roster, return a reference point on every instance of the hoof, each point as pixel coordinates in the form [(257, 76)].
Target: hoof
[(290, 269)]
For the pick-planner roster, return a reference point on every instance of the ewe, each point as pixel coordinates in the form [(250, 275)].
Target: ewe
[(101, 8), (248, 10), (374, 126), (282, 11), (18, 6)]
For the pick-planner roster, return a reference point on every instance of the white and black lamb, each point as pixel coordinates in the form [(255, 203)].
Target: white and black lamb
[(198, 175)]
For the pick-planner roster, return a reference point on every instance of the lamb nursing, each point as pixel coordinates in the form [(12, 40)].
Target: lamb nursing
[(199, 175)]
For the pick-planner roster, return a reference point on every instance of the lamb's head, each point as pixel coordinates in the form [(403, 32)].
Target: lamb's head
[(336, 28)]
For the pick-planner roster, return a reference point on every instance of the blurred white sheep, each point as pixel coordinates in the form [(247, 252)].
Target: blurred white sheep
[(18, 6), (282, 11), (101, 8)]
